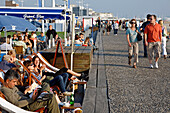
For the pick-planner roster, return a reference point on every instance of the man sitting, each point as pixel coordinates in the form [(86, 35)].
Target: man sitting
[(41, 42), (13, 95)]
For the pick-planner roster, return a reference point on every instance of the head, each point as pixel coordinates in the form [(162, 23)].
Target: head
[(76, 37), (8, 58), (8, 40), (133, 22), (148, 17), (9, 36), (25, 37), (36, 61), (153, 19), (14, 36), (12, 53), (42, 34), (50, 27), (11, 78), (161, 22), (81, 35), (20, 38), (87, 40), (29, 65), (26, 33)]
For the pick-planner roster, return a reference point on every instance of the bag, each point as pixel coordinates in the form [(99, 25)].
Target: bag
[(139, 37)]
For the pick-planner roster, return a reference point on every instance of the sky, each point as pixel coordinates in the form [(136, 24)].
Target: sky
[(119, 8)]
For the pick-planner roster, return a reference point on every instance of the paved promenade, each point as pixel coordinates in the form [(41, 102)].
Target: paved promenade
[(134, 90)]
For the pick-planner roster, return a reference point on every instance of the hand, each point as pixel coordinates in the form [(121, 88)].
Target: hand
[(43, 77), (27, 90), (42, 67), (35, 94), (146, 43), (130, 45)]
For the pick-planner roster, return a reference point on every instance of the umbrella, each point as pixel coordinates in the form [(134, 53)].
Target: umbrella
[(12, 23)]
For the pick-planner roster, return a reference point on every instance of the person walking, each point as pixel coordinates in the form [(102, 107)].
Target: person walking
[(142, 29), (164, 34), (153, 37), (131, 34)]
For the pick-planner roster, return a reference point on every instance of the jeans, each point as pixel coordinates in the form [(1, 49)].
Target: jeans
[(60, 81), (145, 49)]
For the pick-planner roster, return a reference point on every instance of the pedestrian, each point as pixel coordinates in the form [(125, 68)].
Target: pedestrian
[(108, 28), (142, 29), (153, 37), (131, 34), (164, 34), (116, 27)]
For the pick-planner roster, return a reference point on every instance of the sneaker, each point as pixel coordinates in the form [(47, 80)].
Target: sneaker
[(66, 93), (134, 66), (151, 66), (165, 56), (156, 65)]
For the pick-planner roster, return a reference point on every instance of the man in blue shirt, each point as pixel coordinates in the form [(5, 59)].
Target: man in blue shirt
[(142, 30), (41, 42)]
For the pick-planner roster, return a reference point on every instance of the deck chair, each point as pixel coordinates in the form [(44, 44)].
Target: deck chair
[(19, 51)]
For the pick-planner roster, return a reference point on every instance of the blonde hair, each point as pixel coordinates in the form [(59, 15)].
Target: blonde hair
[(12, 53), (160, 22)]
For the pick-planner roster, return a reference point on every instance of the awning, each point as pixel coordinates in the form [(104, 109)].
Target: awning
[(12, 23), (34, 12)]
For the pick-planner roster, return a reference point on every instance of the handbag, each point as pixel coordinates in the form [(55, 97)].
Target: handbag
[(139, 37)]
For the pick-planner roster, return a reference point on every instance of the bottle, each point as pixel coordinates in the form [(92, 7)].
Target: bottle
[(72, 100)]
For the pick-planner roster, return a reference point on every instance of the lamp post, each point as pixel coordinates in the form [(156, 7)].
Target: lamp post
[(65, 22)]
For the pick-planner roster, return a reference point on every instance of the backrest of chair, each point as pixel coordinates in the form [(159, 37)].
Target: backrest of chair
[(2, 95), (19, 49)]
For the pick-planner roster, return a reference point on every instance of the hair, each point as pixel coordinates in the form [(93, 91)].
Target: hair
[(76, 37), (133, 20), (81, 34), (12, 52), (33, 59), (148, 16), (9, 36), (11, 74), (27, 63), (86, 40), (160, 22), (19, 38), (154, 17), (14, 34), (7, 58)]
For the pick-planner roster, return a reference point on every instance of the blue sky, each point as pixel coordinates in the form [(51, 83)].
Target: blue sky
[(120, 8)]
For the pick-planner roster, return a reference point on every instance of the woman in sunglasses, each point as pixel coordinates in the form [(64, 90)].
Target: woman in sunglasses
[(131, 35)]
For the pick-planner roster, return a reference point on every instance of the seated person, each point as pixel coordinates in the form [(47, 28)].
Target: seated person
[(6, 45), (6, 63), (82, 37), (41, 42), (77, 39), (20, 43), (87, 42), (58, 80), (28, 43), (13, 95)]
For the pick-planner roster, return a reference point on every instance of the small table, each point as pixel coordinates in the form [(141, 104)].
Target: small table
[(79, 82), (76, 105)]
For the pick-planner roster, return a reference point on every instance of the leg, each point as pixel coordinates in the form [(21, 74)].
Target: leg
[(164, 52), (157, 51), (58, 80), (73, 73), (135, 53), (130, 52), (150, 52), (65, 77), (51, 104), (145, 49)]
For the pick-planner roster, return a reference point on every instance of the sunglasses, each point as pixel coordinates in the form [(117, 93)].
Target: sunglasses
[(133, 22), (151, 19), (31, 64)]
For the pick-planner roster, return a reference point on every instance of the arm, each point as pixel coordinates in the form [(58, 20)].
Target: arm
[(15, 98), (128, 40), (30, 44), (145, 38)]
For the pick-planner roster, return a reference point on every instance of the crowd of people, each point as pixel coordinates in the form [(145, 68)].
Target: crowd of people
[(16, 86)]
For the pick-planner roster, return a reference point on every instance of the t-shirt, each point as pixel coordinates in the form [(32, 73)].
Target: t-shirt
[(153, 32), (49, 32), (41, 38), (4, 45), (132, 35)]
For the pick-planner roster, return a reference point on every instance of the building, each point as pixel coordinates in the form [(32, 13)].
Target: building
[(11, 3)]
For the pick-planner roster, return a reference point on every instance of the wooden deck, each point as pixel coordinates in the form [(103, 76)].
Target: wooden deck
[(81, 61)]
